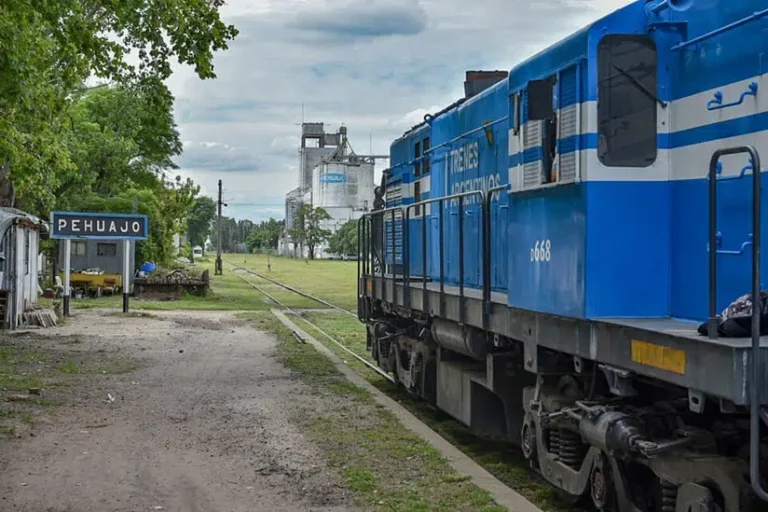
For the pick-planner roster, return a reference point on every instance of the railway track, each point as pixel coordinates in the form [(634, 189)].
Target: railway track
[(296, 290), (297, 315)]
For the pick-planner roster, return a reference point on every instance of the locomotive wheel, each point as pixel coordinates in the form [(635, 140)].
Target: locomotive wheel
[(601, 486)]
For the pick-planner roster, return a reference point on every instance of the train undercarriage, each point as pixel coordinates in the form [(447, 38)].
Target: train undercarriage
[(619, 443)]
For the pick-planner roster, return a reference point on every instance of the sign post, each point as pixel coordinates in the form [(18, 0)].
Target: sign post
[(103, 226), (126, 272), (67, 266)]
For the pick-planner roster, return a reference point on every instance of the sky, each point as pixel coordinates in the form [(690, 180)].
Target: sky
[(375, 66)]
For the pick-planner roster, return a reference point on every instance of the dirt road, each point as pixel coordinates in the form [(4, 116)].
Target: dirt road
[(210, 421)]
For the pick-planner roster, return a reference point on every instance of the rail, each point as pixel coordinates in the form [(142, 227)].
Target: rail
[(726, 28), (297, 315), (757, 413), (407, 242), (366, 251)]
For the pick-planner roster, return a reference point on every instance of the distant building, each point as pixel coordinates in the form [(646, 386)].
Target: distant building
[(97, 257), (331, 176)]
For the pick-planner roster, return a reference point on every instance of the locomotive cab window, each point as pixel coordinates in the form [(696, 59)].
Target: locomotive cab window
[(542, 96), (627, 101), (426, 154)]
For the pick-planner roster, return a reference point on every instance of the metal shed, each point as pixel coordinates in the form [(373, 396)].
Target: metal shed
[(19, 248)]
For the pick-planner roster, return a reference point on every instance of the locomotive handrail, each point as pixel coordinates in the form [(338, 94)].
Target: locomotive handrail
[(487, 262), (406, 244), (756, 412), (744, 171), (393, 210), (732, 252), (363, 255), (465, 134), (725, 28), (364, 249), (717, 102)]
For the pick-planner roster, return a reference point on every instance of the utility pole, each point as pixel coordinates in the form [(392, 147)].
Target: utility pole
[(218, 269)]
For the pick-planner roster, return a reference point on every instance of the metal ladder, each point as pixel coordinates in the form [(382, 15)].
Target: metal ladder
[(757, 412)]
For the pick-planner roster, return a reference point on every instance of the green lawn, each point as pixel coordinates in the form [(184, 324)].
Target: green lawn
[(334, 281), (228, 293)]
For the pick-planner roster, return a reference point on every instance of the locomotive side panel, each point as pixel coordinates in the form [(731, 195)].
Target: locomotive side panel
[(547, 204), (720, 100), (546, 260), (627, 172)]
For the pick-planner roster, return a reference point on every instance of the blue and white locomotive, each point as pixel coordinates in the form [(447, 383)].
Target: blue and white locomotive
[(548, 258)]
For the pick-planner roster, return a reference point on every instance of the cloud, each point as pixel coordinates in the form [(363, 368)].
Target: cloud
[(218, 157), (363, 19), (375, 66)]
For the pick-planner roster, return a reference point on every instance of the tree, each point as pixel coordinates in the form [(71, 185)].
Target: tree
[(344, 241), (265, 234), (49, 48), (199, 218), (116, 139), (119, 146), (153, 203), (308, 231)]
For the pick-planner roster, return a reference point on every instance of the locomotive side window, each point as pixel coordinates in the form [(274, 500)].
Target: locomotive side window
[(626, 101), (541, 107), (514, 112), (417, 198), (426, 154), (417, 155)]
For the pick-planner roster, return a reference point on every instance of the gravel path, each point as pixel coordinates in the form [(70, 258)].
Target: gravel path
[(210, 421)]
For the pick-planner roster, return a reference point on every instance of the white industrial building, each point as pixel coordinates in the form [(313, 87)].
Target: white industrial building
[(331, 176)]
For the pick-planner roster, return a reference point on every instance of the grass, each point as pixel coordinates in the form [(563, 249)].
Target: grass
[(334, 281), (31, 379), (384, 465), (20, 372), (228, 292), (499, 458), (112, 366)]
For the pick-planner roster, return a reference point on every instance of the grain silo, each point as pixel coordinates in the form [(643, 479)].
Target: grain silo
[(333, 177)]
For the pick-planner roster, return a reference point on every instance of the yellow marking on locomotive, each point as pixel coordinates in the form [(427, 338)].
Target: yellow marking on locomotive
[(658, 356)]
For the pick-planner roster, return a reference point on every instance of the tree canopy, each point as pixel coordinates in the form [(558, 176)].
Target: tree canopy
[(265, 235), (199, 219), (308, 230), (344, 241), (50, 48), (107, 147)]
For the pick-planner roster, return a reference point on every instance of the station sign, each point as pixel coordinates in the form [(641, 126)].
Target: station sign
[(115, 226), (333, 177)]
